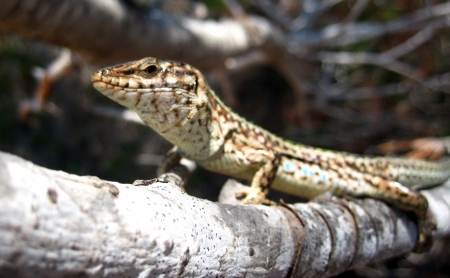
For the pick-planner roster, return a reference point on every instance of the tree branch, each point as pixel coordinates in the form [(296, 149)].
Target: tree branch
[(65, 225), (106, 30)]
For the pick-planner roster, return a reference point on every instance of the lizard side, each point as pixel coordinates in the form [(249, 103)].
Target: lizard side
[(175, 100)]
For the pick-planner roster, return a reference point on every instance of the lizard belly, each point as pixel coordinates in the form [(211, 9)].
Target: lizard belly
[(301, 179), (230, 165), (293, 177)]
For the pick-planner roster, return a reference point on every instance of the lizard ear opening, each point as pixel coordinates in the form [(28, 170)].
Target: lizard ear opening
[(195, 85)]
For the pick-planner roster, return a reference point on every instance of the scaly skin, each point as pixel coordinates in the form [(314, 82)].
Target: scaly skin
[(175, 100)]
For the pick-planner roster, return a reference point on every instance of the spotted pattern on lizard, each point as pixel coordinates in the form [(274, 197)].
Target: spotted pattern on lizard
[(175, 100)]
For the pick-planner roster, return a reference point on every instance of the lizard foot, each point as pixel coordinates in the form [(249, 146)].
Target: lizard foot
[(252, 196), (144, 182)]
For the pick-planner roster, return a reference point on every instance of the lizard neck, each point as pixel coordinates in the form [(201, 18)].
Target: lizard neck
[(200, 130)]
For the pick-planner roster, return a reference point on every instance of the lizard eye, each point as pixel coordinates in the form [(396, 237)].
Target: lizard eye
[(151, 70)]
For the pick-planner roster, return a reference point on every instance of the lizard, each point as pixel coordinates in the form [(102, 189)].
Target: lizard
[(175, 100)]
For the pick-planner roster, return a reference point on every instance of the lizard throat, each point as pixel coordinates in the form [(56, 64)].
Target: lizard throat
[(173, 113)]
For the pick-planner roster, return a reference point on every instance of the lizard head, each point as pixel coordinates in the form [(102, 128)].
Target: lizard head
[(148, 84), (171, 97)]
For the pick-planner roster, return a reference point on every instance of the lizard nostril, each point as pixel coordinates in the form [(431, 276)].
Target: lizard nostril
[(104, 72)]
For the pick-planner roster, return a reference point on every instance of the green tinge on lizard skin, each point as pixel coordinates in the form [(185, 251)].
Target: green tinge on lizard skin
[(175, 100)]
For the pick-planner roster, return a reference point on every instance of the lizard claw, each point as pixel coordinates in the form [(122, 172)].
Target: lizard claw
[(425, 240), (144, 182), (251, 196)]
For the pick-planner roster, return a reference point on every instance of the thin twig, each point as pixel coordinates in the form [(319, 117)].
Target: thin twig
[(348, 58), (343, 34), (281, 19), (122, 114), (356, 10), (235, 9), (415, 41)]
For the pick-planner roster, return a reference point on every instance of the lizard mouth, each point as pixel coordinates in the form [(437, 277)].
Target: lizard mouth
[(109, 89), (109, 86), (150, 98)]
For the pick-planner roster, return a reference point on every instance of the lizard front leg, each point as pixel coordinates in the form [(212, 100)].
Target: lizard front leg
[(172, 158), (261, 182)]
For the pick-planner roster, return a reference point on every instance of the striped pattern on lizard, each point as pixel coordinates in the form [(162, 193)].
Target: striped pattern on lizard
[(175, 100)]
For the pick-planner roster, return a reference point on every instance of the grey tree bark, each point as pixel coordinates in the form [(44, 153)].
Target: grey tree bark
[(54, 224)]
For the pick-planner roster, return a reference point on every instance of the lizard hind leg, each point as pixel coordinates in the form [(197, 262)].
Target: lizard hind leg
[(263, 178), (406, 199)]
